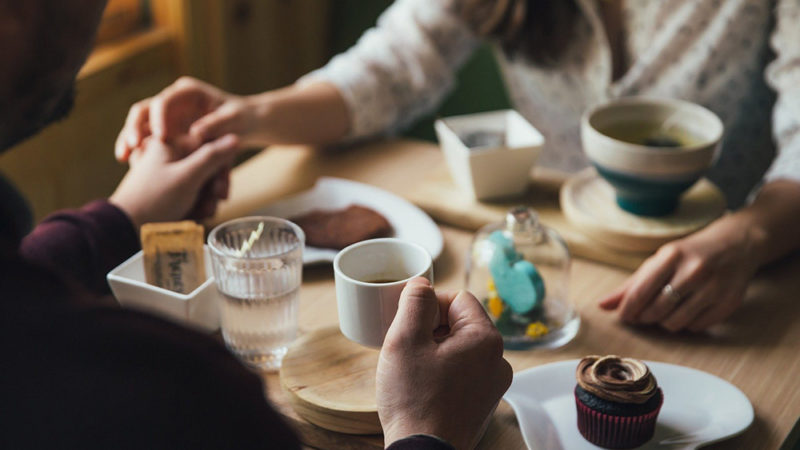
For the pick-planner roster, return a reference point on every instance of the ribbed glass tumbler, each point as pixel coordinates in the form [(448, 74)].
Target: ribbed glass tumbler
[(258, 267)]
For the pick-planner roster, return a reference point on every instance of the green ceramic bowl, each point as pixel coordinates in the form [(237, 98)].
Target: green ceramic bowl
[(651, 150)]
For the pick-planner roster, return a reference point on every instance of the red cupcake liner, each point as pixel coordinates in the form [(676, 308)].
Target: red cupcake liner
[(619, 432)]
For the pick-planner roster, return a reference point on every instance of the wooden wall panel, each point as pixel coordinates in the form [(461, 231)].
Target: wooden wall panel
[(247, 46), (269, 43)]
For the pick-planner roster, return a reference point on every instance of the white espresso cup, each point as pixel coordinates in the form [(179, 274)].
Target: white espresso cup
[(370, 275)]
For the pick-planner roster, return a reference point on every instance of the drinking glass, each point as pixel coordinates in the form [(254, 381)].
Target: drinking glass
[(258, 267)]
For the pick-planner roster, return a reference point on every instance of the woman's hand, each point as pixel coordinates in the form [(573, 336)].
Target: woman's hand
[(694, 282), (185, 115), (189, 113), (164, 185), (441, 369)]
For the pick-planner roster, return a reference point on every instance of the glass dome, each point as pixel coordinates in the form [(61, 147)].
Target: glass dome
[(519, 270)]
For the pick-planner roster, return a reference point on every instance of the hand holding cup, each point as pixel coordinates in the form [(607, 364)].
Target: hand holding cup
[(441, 369)]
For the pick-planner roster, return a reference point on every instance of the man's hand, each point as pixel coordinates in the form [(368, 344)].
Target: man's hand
[(164, 185), (441, 369)]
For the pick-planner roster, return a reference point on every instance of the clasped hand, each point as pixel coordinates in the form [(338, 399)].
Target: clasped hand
[(180, 152)]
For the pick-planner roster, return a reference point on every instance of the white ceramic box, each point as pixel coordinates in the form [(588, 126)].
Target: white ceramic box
[(197, 309), (498, 167)]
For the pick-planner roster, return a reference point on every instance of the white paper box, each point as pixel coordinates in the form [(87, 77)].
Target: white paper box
[(492, 171), (197, 309)]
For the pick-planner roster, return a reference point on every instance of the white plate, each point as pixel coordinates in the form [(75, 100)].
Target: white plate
[(699, 408), (408, 221)]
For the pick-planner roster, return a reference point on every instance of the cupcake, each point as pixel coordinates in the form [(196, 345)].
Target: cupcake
[(618, 401)]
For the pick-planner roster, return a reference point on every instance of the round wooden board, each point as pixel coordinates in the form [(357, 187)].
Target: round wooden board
[(330, 381), (589, 203)]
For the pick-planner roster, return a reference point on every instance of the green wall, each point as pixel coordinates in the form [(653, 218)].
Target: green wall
[(479, 88)]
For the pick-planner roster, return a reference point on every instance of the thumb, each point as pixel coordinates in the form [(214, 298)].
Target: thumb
[(611, 301), (465, 311), (417, 313), (210, 158)]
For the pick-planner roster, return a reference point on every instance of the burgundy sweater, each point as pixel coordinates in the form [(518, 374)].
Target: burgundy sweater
[(78, 372)]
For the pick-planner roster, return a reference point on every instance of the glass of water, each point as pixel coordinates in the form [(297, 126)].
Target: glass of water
[(258, 267)]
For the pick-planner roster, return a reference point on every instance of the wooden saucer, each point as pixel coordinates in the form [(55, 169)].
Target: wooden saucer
[(330, 381), (589, 203)]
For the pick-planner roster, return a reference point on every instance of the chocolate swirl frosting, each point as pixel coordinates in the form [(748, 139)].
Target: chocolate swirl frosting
[(623, 380)]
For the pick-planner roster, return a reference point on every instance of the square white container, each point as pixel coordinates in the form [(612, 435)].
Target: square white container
[(197, 309), (492, 171)]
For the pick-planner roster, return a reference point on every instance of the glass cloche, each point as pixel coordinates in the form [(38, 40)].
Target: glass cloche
[(519, 270)]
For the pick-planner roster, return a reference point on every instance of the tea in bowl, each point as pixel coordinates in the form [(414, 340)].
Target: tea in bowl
[(651, 150)]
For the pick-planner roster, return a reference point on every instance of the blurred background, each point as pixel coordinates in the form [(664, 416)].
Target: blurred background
[(242, 46)]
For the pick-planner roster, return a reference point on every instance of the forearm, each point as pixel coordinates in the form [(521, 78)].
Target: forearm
[(312, 114), (82, 245), (772, 221), (402, 68)]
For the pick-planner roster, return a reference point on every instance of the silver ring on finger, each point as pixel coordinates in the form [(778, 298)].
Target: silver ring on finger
[(672, 295)]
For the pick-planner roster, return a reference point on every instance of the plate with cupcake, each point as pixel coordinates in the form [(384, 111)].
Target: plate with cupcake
[(615, 402)]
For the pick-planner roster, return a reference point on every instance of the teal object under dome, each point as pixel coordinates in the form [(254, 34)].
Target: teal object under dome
[(519, 271), (517, 281), (529, 269)]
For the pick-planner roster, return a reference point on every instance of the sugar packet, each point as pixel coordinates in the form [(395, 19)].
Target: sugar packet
[(173, 255)]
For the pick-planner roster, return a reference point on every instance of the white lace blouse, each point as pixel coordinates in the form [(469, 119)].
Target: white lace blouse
[(713, 52)]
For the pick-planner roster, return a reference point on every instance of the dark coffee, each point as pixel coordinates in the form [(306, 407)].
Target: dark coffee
[(382, 280)]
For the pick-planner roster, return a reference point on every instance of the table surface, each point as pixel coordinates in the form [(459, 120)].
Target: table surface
[(756, 350)]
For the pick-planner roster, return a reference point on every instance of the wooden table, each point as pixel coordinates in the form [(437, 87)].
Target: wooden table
[(758, 349)]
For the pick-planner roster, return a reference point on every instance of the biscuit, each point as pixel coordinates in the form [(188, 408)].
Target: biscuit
[(337, 229)]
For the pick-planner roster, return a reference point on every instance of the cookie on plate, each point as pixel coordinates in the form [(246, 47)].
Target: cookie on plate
[(339, 228)]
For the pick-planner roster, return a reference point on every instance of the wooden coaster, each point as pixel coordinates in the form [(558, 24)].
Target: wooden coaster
[(589, 203), (330, 381)]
